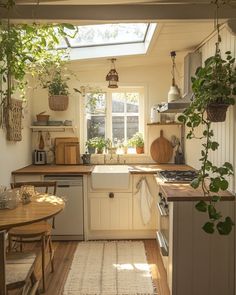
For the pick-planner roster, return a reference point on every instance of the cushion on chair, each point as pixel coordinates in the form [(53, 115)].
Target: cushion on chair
[(19, 267)]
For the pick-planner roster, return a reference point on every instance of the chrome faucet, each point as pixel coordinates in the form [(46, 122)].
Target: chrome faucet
[(118, 159), (104, 158)]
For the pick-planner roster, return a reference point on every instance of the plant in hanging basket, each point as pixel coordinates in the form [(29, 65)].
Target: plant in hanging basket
[(58, 92), (214, 86)]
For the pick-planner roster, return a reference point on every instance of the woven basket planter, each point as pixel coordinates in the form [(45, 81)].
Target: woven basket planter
[(216, 112), (58, 102)]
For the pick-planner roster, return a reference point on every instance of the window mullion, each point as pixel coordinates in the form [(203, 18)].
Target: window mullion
[(109, 115)]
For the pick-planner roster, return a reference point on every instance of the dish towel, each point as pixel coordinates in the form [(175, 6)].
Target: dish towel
[(145, 200)]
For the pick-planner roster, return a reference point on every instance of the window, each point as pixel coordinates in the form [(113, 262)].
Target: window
[(105, 40), (114, 115)]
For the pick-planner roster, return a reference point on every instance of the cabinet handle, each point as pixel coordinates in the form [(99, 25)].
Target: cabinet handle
[(111, 195)]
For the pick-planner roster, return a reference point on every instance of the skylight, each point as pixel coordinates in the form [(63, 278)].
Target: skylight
[(107, 40), (107, 34)]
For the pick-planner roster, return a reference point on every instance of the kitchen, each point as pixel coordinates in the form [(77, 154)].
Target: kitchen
[(155, 79)]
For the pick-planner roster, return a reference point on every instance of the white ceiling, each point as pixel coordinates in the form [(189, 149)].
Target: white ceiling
[(181, 37)]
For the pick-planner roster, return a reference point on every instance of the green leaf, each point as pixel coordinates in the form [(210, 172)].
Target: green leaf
[(213, 214), (214, 145), (201, 206), (182, 118), (224, 184), (68, 26), (208, 227), (228, 165), (195, 183), (225, 227), (215, 198)]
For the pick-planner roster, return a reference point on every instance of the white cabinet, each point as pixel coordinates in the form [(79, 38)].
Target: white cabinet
[(110, 211), (118, 216), (137, 215)]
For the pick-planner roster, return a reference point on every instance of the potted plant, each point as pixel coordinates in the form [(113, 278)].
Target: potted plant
[(214, 85), (90, 146), (137, 142), (98, 143), (211, 89)]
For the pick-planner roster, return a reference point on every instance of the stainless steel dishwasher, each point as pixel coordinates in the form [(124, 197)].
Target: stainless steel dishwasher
[(69, 224)]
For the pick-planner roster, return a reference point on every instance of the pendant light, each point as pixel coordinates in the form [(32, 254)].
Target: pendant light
[(112, 77), (174, 93)]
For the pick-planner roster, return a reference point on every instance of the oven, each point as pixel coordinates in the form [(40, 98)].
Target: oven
[(163, 232), (164, 208)]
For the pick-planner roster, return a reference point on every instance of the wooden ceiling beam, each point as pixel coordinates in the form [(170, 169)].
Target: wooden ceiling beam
[(138, 12)]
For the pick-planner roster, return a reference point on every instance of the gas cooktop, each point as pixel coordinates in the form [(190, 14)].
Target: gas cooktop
[(185, 176)]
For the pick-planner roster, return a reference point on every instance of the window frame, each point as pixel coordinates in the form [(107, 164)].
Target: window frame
[(108, 114)]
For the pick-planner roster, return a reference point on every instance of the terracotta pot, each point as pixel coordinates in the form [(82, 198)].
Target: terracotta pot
[(216, 112), (99, 151), (139, 150)]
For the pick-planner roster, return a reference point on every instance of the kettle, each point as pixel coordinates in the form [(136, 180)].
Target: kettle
[(86, 158)]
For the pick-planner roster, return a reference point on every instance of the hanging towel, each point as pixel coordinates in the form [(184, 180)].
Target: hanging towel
[(145, 200)]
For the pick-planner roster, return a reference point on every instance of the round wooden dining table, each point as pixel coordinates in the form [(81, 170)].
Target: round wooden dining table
[(41, 207)]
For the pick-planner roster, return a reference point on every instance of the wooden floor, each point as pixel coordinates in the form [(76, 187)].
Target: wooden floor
[(64, 254)]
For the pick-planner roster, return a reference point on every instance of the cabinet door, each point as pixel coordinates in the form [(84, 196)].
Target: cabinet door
[(137, 214), (110, 213)]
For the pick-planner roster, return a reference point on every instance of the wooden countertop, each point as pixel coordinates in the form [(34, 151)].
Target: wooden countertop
[(55, 169), (87, 169), (184, 192)]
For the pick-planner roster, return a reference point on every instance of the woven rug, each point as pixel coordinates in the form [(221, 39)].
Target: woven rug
[(109, 268)]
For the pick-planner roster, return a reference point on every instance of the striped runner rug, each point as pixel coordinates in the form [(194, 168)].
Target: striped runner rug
[(109, 268)]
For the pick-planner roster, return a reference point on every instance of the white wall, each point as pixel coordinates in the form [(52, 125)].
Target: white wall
[(155, 79), (14, 155)]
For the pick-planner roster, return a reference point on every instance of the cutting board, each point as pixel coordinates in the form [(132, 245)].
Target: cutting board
[(67, 150), (161, 149)]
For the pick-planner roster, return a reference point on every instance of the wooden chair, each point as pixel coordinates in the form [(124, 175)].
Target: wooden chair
[(18, 271), (42, 230)]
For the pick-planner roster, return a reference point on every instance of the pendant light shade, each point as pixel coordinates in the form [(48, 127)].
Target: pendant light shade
[(174, 93), (112, 77)]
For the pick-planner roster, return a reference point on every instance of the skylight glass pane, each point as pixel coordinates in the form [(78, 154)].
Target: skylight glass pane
[(105, 34)]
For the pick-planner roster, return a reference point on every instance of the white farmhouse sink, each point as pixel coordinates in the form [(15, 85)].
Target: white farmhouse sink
[(110, 177)]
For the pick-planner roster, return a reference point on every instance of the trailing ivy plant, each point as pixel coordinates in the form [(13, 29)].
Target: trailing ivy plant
[(24, 45), (211, 178)]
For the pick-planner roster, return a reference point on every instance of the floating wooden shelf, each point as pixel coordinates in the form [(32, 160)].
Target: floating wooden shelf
[(60, 128), (172, 123)]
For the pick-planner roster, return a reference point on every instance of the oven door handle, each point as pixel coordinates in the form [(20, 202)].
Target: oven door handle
[(162, 210), (162, 244)]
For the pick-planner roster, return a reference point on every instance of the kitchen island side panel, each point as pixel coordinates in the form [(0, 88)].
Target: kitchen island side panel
[(202, 263)]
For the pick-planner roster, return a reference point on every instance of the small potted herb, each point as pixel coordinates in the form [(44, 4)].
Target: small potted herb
[(97, 143), (137, 142)]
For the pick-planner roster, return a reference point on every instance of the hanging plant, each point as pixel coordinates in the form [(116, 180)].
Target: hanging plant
[(214, 84), (21, 47), (214, 87)]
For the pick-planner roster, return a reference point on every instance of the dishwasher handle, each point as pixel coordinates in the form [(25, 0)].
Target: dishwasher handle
[(63, 185)]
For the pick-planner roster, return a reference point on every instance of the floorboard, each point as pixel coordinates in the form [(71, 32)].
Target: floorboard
[(64, 252)]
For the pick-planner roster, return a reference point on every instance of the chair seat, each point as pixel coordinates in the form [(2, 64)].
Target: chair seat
[(19, 267), (31, 230)]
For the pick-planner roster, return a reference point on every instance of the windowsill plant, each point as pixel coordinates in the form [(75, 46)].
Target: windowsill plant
[(97, 144), (137, 142)]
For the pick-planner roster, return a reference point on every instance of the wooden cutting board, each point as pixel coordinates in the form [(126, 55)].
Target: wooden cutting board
[(72, 153), (64, 155), (161, 149)]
